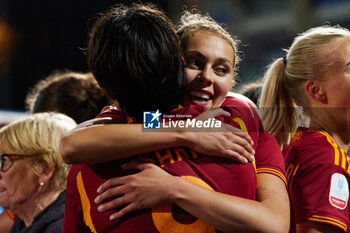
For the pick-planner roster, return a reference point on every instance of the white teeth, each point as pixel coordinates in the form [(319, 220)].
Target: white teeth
[(200, 95)]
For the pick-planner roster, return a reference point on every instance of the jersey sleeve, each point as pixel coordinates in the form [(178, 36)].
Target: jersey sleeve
[(318, 187), (269, 158)]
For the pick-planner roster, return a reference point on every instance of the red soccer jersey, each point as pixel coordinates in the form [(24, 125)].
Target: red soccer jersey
[(268, 155), (318, 176), (269, 158), (212, 172)]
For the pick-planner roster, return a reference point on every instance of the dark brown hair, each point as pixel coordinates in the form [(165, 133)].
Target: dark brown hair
[(77, 95), (135, 55)]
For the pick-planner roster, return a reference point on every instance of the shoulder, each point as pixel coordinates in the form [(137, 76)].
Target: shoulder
[(268, 149), (312, 146), (241, 98), (52, 220), (239, 105), (113, 113), (237, 100), (54, 227), (74, 170), (269, 158), (17, 226)]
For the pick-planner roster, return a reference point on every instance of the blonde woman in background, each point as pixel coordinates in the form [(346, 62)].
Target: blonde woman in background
[(314, 76), (75, 94), (32, 173)]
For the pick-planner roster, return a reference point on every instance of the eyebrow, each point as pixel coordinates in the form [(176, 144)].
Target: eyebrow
[(200, 55), (195, 53)]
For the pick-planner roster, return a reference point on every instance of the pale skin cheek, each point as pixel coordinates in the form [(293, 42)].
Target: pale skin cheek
[(222, 90), (12, 192), (21, 194), (19, 191), (189, 76)]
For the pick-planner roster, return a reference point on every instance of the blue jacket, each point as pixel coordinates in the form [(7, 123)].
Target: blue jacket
[(49, 220)]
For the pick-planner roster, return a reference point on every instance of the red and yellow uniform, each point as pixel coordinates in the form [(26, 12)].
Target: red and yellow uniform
[(220, 174), (318, 175), (269, 158), (268, 155)]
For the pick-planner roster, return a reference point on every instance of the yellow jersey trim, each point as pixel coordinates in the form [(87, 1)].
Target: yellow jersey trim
[(274, 172), (85, 203), (328, 220)]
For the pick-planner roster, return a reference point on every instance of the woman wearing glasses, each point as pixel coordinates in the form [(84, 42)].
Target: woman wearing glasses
[(32, 173)]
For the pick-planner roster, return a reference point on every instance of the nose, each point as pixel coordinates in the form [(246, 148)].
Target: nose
[(205, 76)]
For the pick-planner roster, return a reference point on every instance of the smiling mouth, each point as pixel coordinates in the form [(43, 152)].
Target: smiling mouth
[(199, 96)]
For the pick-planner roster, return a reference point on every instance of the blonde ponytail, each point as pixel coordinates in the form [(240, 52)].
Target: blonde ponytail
[(283, 94), (277, 108)]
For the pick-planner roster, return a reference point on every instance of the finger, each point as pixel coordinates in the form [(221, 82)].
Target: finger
[(242, 153), (243, 142), (110, 193), (113, 204), (126, 210), (113, 182), (236, 156), (245, 136)]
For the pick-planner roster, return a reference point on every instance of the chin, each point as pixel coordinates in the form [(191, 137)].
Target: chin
[(4, 204)]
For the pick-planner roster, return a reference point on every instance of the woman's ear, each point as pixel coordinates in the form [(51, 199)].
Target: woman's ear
[(315, 91), (46, 175)]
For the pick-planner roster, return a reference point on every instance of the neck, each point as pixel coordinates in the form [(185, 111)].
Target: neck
[(341, 137), (29, 209)]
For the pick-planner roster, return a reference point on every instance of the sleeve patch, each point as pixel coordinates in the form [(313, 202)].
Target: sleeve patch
[(339, 191)]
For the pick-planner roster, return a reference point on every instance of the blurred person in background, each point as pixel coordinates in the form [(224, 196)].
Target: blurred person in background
[(6, 216), (252, 91), (32, 172), (75, 94)]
